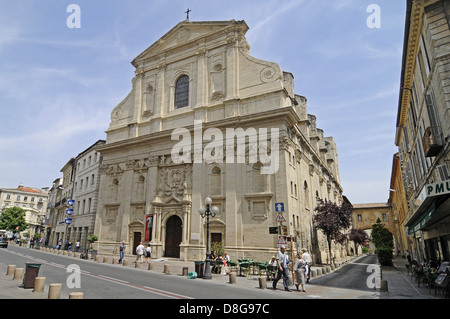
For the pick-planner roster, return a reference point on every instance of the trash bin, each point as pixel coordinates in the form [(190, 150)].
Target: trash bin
[(199, 268), (31, 272)]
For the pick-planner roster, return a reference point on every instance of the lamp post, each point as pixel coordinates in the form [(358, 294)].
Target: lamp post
[(208, 211)]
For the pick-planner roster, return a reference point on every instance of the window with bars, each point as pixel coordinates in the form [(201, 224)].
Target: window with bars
[(182, 92)]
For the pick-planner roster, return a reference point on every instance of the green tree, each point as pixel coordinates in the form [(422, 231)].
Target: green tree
[(384, 243), (13, 219)]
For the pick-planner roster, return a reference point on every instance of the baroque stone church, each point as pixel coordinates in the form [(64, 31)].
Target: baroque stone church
[(202, 73)]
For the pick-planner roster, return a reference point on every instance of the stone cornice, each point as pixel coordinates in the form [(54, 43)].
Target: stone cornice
[(413, 29)]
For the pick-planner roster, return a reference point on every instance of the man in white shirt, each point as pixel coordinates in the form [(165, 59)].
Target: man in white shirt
[(282, 262), (307, 258), (140, 252)]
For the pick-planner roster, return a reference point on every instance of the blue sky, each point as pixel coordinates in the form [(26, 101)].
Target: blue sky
[(58, 85)]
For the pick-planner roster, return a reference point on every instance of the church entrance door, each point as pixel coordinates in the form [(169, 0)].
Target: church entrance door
[(136, 241), (173, 237)]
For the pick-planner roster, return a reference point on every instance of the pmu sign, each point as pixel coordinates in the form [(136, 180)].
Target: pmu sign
[(440, 188)]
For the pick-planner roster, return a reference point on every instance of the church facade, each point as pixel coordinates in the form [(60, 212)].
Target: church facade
[(206, 119)]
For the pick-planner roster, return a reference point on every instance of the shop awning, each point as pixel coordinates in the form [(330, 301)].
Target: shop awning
[(418, 221)]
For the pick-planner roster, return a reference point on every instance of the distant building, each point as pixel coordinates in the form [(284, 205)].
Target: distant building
[(397, 200), (33, 200), (53, 207), (85, 195), (80, 183), (365, 215)]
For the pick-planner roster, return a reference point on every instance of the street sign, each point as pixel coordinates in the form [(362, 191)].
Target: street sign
[(279, 207), (68, 221), (282, 241), (69, 211), (280, 218), (71, 202)]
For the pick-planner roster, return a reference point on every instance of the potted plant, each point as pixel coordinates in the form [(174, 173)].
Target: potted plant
[(92, 239)]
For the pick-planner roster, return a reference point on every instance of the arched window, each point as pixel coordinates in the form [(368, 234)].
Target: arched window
[(182, 92)]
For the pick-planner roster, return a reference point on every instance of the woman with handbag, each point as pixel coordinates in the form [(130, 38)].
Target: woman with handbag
[(300, 269)]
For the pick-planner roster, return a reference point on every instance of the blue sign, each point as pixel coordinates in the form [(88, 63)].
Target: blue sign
[(71, 202), (69, 211), (68, 221), (279, 207)]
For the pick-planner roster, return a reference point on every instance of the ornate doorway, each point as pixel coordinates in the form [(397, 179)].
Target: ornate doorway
[(174, 232)]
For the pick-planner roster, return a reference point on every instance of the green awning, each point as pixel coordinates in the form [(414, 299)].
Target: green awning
[(422, 219)]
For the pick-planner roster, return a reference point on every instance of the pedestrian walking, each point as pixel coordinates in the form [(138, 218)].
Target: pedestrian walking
[(300, 269), (140, 252), (77, 246), (283, 271), (148, 252), (308, 260), (122, 249), (408, 256)]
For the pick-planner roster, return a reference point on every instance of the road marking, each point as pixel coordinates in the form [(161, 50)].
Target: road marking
[(111, 278)]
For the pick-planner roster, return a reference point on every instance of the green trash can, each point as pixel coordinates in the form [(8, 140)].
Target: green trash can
[(31, 272), (199, 268)]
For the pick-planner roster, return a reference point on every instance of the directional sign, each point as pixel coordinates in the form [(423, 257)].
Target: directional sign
[(280, 218), (69, 211), (279, 207), (68, 221), (71, 202)]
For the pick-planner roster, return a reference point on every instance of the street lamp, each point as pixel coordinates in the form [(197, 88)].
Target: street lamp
[(208, 211)]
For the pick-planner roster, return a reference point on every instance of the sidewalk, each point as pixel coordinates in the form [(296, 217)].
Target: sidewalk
[(13, 289), (400, 284)]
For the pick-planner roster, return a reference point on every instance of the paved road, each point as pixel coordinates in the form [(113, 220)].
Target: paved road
[(352, 276), (106, 281)]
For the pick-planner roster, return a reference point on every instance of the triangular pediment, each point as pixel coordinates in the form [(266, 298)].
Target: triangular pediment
[(172, 201), (186, 32)]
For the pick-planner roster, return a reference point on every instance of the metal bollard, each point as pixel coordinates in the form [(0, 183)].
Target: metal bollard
[(137, 264), (39, 283), (185, 271), (54, 291), (150, 266)]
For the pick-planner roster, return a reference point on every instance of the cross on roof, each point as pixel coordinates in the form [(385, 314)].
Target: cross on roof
[(187, 13)]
